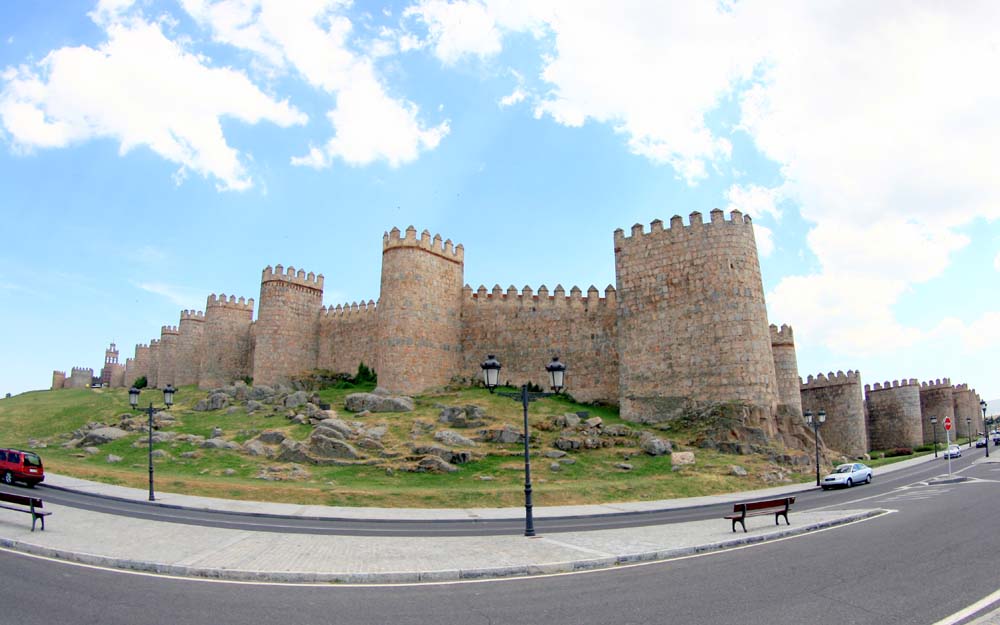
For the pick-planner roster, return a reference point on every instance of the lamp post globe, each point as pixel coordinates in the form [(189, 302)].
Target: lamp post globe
[(491, 372), (815, 423), (133, 400)]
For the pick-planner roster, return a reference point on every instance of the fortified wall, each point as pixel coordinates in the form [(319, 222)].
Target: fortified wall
[(966, 402), (684, 326), (894, 418), (80, 377), (839, 394), (58, 380), (935, 401)]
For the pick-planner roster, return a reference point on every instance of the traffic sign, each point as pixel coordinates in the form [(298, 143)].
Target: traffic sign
[(947, 423)]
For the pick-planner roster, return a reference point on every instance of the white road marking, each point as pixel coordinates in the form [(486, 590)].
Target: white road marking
[(969, 611)]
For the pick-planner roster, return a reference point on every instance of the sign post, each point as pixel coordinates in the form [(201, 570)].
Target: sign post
[(947, 443)]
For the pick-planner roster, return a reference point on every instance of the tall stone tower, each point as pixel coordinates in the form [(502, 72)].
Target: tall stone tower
[(935, 401), (168, 356), (287, 326), (894, 415), (58, 380), (225, 354), (139, 365), (188, 359), (692, 325), (967, 415), (419, 328), (153, 368), (110, 365), (786, 369), (839, 395)]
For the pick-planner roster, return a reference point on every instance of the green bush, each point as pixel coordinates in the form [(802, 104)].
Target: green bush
[(365, 375), (899, 451), (140, 382)]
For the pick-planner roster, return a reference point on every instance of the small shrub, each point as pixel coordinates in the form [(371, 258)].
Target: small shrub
[(140, 382), (365, 375), (897, 452)]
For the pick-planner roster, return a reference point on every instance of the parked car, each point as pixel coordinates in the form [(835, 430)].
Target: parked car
[(848, 475), (21, 466), (953, 451), (980, 442)]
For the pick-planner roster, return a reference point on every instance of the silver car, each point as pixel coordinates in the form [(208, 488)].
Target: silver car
[(953, 451), (848, 475)]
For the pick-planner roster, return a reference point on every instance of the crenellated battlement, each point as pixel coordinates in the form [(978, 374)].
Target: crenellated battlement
[(59, 373), (782, 335), (154, 343), (192, 315), (677, 228), (290, 276), (962, 387), (445, 249), (76, 370), (527, 296), (171, 330), (938, 383), (887, 386), (232, 302), (831, 379), (349, 310)]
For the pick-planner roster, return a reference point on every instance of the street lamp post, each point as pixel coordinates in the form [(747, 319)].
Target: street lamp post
[(986, 430), (934, 430), (820, 418), (968, 430), (491, 377), (133, 400)]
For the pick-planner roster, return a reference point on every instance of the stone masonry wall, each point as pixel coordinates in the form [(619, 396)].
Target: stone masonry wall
[(140, 365), (786, 369), (225, 356), (189, 345), (525, 331), (58, 380), (287, 330), (692, 325), (168, 356), (419, 335), (347, 337), (839, 394), (894, 418), (80, 377), (935, 401), (966, 404)]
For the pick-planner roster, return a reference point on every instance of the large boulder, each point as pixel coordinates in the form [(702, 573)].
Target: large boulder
[(216, 401), (373, 402), (654, 446), (506, 434), (296, 399), (453, 438), (256, 448), (341, 429), (435, 464), (682, 458), (99, 436), (220, 443), (322, 446), (465, 417), (261, 393)]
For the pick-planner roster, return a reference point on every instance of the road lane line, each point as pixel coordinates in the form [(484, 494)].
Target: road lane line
[(959, 616)]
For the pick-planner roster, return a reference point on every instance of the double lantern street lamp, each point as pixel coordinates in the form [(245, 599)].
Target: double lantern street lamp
[(934, 430), (986, 430), (491, 377), (168, 400), (815, 423)]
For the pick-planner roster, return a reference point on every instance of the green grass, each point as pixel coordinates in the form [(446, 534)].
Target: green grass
[(50, 416)]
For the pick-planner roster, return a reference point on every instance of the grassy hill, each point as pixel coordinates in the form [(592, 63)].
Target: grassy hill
[(46, 420)]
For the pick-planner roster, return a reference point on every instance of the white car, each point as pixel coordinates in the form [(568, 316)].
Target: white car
[(848, 475), (953, 451)]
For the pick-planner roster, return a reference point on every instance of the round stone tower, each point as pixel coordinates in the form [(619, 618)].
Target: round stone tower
[(894, 415), (168, 356), (692, 325), (139, 366), (935, 401), (287, 328), (225, 355), (58, 380), (839, 395), (188, 359), (153, 368), (419, 328), (786, 369)]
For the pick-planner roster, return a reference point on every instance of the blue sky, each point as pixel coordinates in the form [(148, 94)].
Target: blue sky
[(154, 152)]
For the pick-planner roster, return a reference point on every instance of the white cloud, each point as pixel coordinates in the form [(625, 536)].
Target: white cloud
[(457, 29), (183, 297), (765, 240), (312, 38), (141, 89), (755, 200), (515, 97)]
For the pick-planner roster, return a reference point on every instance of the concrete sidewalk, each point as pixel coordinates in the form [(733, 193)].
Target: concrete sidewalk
[(172, 548)]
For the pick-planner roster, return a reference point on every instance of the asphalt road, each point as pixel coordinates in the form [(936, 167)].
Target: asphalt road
[(932, 557), (478, 527)]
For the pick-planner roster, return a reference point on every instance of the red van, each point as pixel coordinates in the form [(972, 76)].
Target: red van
[(20, 466)]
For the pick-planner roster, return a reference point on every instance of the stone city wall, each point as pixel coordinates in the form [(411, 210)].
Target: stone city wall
[(166, 372), (786, 369), (935, 401), (966, 404), (187, 362), (153, 367), (525, 330), (80, 377), (347, 337), (58, 380), (894, 418), (839, 394)]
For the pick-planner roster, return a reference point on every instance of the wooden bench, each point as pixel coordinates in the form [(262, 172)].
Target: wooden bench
[(777, 507), (31, 505)]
